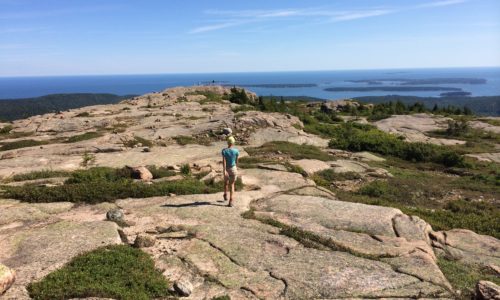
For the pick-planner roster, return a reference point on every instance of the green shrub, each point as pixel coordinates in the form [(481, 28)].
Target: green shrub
[(160, 172), (117, 271), (185, 140), (375, 189), (99, 174), (348, 137), (83, 137), (239, 96), (107, 191), (6, 129), (39, 175), (21, 144), (83, 114), (185, 169), (251, 162), (295, 169)]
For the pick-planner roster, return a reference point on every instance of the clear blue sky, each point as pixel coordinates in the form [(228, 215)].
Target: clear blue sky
[(69, 37)]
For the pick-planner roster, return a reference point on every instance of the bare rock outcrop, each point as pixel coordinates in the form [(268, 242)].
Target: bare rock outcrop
[(7, 278), (468, 246), (414, 127)]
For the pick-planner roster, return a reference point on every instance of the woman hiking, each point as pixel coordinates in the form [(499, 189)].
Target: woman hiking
[(229, 161)]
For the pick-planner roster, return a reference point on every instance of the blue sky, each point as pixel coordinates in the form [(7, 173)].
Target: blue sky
[(71, 37)]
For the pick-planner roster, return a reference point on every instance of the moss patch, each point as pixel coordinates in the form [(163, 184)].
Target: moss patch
[(118, 271)]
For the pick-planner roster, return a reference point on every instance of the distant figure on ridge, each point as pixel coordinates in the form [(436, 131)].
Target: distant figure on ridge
[(230, 157)]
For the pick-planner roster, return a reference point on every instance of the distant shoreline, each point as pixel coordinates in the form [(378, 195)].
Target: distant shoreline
[(392, 89), (13, 109)]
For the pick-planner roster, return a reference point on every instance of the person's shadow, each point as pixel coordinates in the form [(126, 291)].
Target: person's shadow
[(191, 204)]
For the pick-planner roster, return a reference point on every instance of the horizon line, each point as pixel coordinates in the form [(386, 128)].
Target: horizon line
[(240, 72)]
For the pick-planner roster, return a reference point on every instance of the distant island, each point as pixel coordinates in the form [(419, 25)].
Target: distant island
[(13, 109), (455, 94), (391, 89), (276, 85), (405, 81), (484, 105)]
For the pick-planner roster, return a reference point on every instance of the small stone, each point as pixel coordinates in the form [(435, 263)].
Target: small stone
[(141, 173), (183, 287), (144, 241), (487, 290), (7, 278), (146, 149), (171, 195), (115, 215)]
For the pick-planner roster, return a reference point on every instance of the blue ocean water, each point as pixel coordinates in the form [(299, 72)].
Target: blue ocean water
[(23, 87)]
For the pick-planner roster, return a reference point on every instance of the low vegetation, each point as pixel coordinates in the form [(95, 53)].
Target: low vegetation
[(136, 141), (22, 144), (186, 139), (160, 172), (464, 277), (103, 184), (83, 114), (477, 141), (443, 201), (118, 271), (83, 137), (353, 137), (43, 174), (288, 149)]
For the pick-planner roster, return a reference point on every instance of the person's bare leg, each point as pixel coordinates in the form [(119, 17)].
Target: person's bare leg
[(226, 182), (231, 193)]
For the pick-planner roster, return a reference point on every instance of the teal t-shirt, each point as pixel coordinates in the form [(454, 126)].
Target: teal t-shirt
[(230, 154)]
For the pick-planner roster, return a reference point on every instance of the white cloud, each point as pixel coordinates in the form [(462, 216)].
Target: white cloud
[(348, 16), (440, 3), (324, 14)]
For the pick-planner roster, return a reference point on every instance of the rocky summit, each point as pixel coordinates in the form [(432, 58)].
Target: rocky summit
[(307, 221)]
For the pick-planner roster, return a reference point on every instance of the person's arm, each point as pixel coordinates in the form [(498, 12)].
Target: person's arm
[(223, 165)]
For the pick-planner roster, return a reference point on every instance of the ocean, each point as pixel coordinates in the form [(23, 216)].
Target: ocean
[(303, 83)]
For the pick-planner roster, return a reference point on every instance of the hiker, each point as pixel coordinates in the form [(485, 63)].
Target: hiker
[(229, 161)]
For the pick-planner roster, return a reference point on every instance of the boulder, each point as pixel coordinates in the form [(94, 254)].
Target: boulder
[(183, 287), (115, 215), (141, 173), (7, 278), (487, 290), (144, 241)]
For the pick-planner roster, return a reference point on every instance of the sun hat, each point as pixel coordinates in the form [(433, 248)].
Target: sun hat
[(231, 140)]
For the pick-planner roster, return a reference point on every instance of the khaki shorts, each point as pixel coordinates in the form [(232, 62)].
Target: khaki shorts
[(232, 174)]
